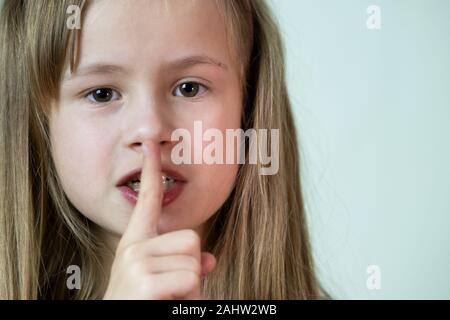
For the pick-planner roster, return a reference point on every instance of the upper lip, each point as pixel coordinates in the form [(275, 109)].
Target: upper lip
[(137, 172)]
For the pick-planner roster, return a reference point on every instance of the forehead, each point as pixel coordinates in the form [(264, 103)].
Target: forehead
[(142, 33)]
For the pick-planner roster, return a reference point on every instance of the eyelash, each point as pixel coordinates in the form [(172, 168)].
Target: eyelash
[(176, 89), (87, 95), (205, 88)]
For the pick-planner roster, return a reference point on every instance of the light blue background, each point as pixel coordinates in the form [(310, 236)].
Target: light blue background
[(373, 111)]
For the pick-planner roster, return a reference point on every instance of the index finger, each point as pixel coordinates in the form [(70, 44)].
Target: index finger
[(144, 220)]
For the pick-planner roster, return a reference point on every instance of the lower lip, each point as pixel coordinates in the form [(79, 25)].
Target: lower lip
[(169, 196)]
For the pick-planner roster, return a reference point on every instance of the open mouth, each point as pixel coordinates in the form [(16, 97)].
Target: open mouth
[(173, 185), (167, 181)]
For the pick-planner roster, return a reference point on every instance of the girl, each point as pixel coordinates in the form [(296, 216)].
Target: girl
[(86, 117)]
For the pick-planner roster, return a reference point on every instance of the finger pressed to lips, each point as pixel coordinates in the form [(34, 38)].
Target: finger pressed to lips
[(144, 220)]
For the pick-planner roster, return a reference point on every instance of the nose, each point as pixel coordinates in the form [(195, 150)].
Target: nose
[(147, 118)]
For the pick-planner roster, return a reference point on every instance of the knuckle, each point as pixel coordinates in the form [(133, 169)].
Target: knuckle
[(137, 269), (191, 280), (194, 265), (131, 252), (191, 240), (148, 289)]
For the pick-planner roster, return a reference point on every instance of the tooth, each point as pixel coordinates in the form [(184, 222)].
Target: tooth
[(135, 185), (167, 182)]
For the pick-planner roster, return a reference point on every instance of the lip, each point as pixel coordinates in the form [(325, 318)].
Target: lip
[(168, 197)]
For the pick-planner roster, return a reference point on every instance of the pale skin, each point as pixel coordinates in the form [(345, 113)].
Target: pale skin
[(153, 266), (151, 48)]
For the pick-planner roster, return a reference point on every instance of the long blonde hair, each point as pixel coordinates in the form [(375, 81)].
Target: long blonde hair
[(259, 235)]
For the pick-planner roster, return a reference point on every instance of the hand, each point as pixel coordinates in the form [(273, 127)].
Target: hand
[(152, 266)]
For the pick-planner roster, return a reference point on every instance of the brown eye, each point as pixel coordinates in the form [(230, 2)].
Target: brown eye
[(102, 95), (188, 89)]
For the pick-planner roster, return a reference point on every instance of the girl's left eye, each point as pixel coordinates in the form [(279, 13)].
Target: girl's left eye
[(102, 95), (189, 89)]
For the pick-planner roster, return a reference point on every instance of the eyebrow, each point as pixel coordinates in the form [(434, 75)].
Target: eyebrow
[(183, 63), (194, 60), (96, 69)]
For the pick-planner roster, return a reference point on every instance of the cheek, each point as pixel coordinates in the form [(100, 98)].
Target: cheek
[(80, 156), (213, 185)]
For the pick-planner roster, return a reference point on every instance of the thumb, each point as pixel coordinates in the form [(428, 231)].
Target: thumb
[(208, 262)]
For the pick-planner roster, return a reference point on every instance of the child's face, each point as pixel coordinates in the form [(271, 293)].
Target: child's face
[(96, 138)]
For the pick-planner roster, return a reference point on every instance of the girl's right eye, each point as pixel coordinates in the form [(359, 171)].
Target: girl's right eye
[(102, 95)]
